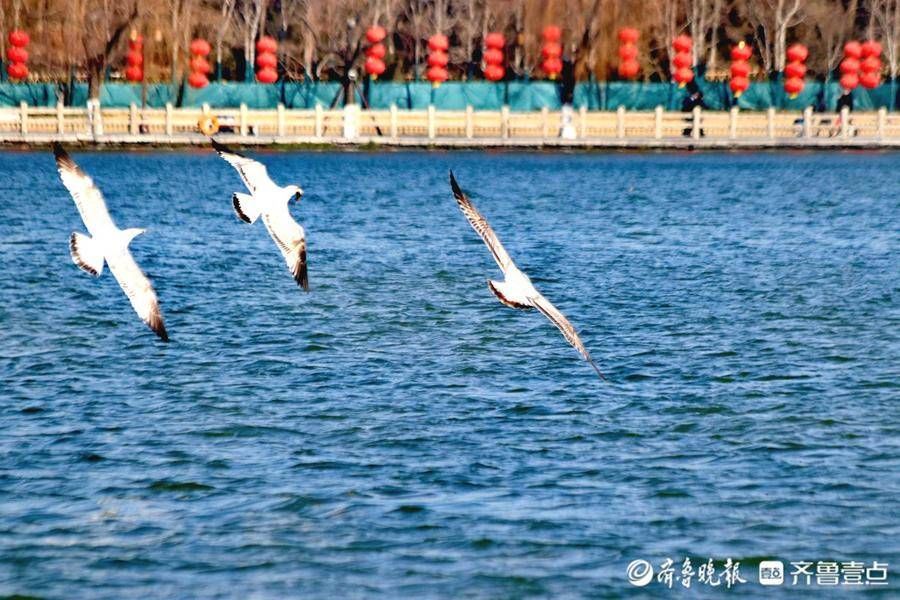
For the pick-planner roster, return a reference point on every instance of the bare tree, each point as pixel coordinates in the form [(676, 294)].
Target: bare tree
[(249, 16), (887, 15), (771, 20), (834, 23)]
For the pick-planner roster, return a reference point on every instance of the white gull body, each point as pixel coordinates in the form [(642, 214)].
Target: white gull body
[(107, 243), (516, 289), (270, 201)]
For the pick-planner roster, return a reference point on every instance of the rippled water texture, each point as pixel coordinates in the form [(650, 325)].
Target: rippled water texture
[(397, 432)]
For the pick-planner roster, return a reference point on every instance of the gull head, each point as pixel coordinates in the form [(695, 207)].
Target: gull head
[(295, 192)]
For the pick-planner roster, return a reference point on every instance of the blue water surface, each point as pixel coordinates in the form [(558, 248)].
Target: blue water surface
[(397, 432)]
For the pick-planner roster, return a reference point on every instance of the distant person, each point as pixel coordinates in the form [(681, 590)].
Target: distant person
[(691, 101), (844, 101)]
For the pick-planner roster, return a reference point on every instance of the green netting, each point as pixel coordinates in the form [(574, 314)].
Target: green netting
[(454, 95), (35, 94), (122, 95)]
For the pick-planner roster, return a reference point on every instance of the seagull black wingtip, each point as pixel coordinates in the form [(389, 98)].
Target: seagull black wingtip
[(219, 146), (457, 191)]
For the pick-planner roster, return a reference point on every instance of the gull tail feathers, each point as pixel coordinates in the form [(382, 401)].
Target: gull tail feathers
[(246, 207), (86, 253)]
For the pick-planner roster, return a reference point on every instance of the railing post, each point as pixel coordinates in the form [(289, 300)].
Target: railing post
[(882, 123), (657, 122), (582, 122), (351, 121), (243, 119), (807, 122), (23, 117), (393, 120), (320, 119), (60, 118), (695, 123), (431, 124), (133, 119), (545, 125), (282, 129), (845, 122), (620, 122), (732, 122), (98, 118), (504, 122), (170, 126), (470, 122), (770, 123)]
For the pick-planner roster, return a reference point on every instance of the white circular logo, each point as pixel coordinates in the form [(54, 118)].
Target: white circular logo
[(640, 572)]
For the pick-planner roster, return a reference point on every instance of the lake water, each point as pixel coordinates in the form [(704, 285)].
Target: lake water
[(397, 432)]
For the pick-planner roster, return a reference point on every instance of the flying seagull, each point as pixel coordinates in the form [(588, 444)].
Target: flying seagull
[(107, 243), (516, 290), (269, 201)]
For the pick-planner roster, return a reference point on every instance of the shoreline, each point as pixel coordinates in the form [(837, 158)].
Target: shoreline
[(338, 143)]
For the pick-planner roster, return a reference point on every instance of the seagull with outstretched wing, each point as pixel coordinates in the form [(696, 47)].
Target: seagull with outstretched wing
[(516, 290), (269, 201), (107, 243)]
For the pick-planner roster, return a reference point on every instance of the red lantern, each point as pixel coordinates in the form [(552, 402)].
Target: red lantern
[(741, 52), (629, 35), (267, 75), (552, 33), (869, 64), (376, 51), (201, 65), (437, 75), (849, 66), (683, 76), (853, 49), (492, 56), (438, 59), (740, 69), (552, 66), (870, 80), (495, 40), (200, 47), (16, 54), (134, 74), (375, 34), (682, 43), (796, 70), (871, 48), (375, 66), (551, 50), (18, 38), (438, 41), (628, 52), (17, 71), (136, 43), (198, 80), (797, 53), (849, 81), (629, 68), (683, 60), (494, 72), (134, 59), (267, 44), (266, 59), (793, 86), (739, 85)]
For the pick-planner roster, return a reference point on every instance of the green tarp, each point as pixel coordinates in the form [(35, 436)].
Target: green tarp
[(452, 95)]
